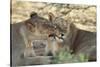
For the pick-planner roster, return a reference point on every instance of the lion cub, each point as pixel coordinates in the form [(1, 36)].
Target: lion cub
[(76, 40)]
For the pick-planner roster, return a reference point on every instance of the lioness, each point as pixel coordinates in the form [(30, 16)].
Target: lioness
[(36, 38)]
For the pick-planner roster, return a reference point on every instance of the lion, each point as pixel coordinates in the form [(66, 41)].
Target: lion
[(37, 38)]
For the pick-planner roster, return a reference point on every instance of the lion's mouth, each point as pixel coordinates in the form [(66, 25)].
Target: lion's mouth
[(39, 47)]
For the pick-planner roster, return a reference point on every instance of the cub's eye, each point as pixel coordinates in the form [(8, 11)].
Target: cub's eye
[(62, 35)]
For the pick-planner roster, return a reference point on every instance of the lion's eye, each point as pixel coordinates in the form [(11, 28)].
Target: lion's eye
[(51, 35)]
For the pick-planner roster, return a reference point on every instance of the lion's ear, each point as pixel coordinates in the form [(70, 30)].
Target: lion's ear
[(33, 14), (51, 17)]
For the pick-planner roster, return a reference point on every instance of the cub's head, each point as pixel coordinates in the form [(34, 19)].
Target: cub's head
[(69, 30)]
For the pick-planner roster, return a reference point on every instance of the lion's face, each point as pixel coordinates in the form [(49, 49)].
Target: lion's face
[(44, 35)]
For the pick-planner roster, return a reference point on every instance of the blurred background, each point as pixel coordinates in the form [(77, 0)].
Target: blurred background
[(83, 16)]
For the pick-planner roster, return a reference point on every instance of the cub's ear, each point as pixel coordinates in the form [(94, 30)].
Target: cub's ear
[(51, 16), (33, 14)]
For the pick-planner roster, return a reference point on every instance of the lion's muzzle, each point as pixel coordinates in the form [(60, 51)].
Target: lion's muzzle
[(39, 47)]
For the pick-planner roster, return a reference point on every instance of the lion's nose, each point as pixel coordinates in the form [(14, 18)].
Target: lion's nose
[(49, 54)]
